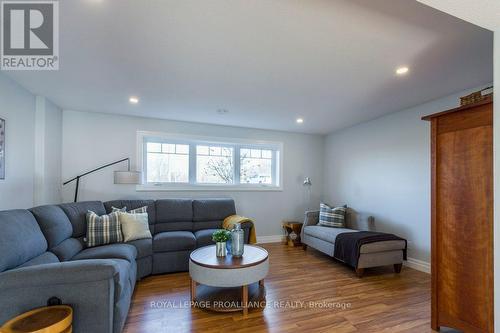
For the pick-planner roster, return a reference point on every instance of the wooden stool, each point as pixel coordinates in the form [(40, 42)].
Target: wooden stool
[(292, 230), (51, 319)]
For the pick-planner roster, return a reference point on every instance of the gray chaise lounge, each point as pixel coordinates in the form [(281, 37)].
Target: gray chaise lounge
[(42, 255), (371, 255)]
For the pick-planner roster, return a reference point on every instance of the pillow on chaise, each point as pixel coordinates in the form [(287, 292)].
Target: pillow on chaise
[(101, 230), (332, 216)]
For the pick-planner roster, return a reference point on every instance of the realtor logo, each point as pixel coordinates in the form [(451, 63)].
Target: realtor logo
[(29, 35)]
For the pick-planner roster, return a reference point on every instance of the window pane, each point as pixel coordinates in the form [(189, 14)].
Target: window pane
[(182, 149), (255, 153), (153, 147), (255, 170), (202, 150), (168, 148), (245, 152), (267, 154), (163, 167), (215, 169), (215, 151)]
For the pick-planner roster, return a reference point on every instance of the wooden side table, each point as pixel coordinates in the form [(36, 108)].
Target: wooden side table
[(292, 230), (51, 319)]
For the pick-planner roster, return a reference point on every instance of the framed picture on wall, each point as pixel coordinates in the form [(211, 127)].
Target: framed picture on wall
[(2, 149)]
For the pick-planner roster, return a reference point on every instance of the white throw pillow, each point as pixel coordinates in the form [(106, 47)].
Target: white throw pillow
[(134, 226)]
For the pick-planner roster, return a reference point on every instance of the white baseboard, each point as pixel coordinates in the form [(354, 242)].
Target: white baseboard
[(419, 265), (269, 239)]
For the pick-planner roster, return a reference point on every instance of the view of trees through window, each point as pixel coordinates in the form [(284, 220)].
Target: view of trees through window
[(256, 166), (214, 165), (209, 163)]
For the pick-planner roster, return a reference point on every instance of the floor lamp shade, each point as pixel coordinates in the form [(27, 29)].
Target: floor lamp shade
[(128, 177)]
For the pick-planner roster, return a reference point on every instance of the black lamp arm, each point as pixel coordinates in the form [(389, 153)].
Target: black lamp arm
[(77, 178)]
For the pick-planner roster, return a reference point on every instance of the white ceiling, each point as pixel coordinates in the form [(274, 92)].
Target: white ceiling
[(268, 62), (484, 13)]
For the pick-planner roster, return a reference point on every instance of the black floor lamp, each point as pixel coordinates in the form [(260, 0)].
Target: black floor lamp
[(121, 177)]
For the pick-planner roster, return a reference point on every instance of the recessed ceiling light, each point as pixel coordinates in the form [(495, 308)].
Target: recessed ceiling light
[(299, 120), (402, 70), (133, 100), (222, 111)]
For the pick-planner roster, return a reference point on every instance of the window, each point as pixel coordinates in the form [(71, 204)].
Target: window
[(167, 163), (256, 166), (214, 165), (178, 162)]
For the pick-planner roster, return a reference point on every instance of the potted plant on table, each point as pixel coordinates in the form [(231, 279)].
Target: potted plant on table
[(220, 237)]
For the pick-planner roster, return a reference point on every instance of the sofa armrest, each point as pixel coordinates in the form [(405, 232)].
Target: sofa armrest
[(246, 226), (311, 218), (88, 286)]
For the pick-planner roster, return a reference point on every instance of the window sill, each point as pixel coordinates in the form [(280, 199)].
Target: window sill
[(208, 188)]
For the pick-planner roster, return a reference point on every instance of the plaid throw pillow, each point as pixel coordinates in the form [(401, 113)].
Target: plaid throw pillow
[(103, 230), (133, 211), (332, 217)]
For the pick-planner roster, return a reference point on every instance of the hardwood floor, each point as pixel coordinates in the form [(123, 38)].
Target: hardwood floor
[(381, 301)]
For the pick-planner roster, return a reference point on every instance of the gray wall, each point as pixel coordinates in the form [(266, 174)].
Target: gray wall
[(93, 139), (382, 167), (33, 148), (17, 107)]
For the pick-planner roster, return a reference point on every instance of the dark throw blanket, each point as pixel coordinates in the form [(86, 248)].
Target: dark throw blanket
[(348, 244)]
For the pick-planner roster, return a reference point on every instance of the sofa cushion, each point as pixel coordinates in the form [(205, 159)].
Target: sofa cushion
[(204, 237), (77, 212), (327, 234), (209, 213), (174, 241), (123, 282), (133, 204), (124, 288), (169, 262), (144, 247), (174, 215), (216, 224), (111, 251), (383, 246), (54, 223), (20, 238), (145, 266), (68, 248), (212, 209), (44, 258)]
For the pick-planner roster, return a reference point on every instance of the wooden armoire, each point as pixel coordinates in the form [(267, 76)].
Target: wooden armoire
[(462, 218)]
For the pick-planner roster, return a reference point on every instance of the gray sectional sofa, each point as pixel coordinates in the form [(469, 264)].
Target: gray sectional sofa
[(43, 255)]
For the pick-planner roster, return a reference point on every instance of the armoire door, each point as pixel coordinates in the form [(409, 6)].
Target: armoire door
[(462, 243)]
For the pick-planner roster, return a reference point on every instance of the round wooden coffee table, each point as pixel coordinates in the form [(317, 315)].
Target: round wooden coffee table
[(228, 283)]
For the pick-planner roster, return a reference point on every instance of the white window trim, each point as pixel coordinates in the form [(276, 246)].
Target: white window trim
[(182, 138)]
